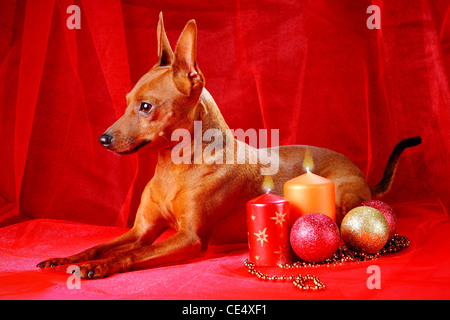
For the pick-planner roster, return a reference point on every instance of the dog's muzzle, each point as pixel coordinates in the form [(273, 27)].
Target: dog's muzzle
[(120, 144)]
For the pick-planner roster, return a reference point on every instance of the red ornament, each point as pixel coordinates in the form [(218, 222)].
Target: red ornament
[(387, 212), (315, 237), (268, 230)]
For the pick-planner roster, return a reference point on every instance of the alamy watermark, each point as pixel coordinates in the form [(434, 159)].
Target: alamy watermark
[(74, 20), (222, 149), (374, 21), (74, 281), (374, 280)]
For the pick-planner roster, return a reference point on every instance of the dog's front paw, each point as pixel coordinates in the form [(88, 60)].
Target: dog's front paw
[(53, 262), (94, 270), (103, 268)]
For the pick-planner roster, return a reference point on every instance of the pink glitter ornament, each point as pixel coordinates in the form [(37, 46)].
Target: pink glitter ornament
[(387, 212), (314, 237)]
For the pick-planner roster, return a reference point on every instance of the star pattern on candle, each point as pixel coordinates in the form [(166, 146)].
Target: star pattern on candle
[(281, 252), (261, 236), (279, 218)]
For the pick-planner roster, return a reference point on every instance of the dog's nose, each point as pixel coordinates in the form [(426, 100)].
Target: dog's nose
[(105, 139)]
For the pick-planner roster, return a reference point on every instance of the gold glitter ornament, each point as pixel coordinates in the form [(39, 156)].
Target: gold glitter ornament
[(365, 229)]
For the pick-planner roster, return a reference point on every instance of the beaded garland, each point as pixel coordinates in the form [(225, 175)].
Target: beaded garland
[(342, 256)]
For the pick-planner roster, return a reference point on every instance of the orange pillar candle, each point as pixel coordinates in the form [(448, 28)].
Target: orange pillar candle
[(310, 193)]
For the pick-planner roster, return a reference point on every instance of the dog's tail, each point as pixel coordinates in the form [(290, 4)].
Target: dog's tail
[(385, 184)]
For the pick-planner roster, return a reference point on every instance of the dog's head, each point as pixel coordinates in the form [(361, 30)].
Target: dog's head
[(163, 100)]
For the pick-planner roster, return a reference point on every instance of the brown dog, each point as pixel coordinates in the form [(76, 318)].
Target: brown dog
[(203, 201)]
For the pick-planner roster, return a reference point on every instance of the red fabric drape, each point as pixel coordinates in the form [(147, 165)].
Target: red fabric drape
[(309, 68)]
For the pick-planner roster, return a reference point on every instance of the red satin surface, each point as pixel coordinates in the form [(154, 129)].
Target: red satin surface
[(309, 68)]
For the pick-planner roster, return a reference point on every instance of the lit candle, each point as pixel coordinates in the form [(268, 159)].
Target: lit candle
[(310, 192), (268, 230)]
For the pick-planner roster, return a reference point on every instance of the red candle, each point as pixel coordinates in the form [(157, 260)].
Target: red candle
[(268, 230)]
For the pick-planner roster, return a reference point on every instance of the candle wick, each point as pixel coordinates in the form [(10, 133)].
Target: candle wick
[(268, 191), (307, 170)]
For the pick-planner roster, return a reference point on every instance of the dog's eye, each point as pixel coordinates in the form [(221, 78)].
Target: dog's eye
[(146, 107)]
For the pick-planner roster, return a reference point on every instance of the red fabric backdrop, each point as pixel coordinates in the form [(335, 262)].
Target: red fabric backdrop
[(309, 68)]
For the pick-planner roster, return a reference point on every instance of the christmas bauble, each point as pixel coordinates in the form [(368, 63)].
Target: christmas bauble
[(387, 212), (314, 237), (365, 229)]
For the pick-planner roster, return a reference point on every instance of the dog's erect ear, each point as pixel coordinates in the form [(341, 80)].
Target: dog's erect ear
[(165, 53), (187, 75)]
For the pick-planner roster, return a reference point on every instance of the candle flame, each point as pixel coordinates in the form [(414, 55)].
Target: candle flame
[(267, 183), (308, 163)]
